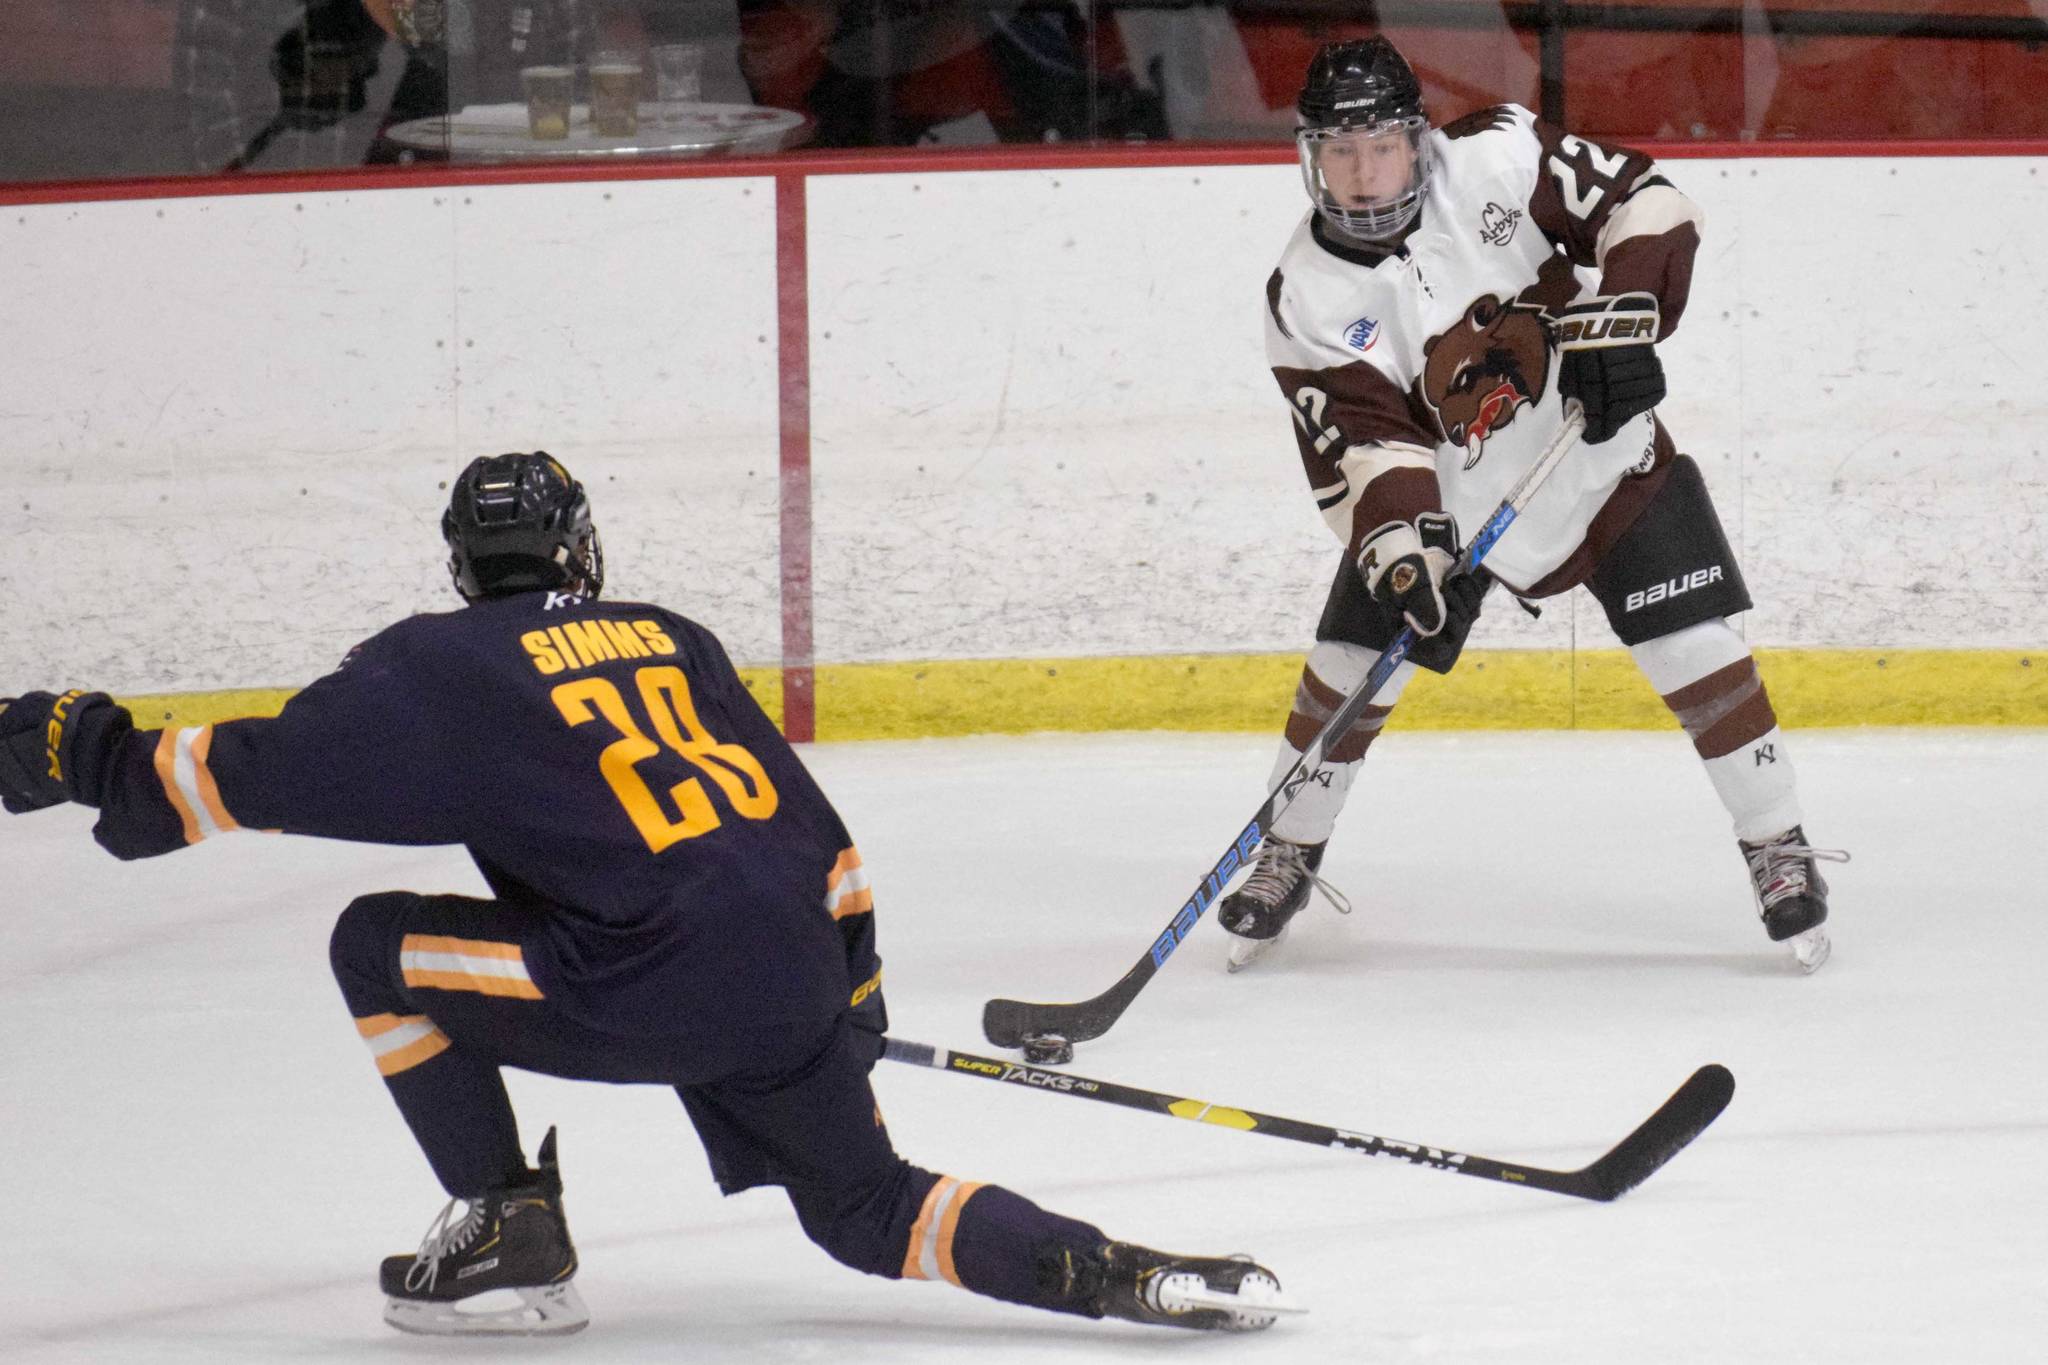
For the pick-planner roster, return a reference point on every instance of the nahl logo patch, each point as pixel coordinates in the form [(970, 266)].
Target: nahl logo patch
[(1671, 587), (1360, 335)]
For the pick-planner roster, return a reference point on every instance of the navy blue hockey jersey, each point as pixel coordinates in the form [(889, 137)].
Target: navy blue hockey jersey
[(601, 761)]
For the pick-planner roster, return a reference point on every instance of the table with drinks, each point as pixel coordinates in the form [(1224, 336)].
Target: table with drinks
[(615, 120)]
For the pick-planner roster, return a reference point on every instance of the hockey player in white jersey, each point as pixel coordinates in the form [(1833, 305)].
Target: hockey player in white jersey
[(1449, 290)]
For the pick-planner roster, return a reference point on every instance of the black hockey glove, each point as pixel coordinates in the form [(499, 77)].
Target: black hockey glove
[(870, 1020), (1608, 360), (1407, 569), (55, 749)]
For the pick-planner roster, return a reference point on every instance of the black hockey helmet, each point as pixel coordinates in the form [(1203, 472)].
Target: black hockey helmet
[(1356, 93), (519, 523), (1357, 84)]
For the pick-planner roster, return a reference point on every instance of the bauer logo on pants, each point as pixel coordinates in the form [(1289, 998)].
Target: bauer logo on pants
[(1672, 587)]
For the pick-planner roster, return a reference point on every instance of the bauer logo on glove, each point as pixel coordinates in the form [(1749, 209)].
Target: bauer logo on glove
[(53, 748), (1607, 322), (1609, 360)]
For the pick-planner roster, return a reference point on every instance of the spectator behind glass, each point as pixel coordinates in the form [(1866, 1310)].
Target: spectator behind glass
[(901, 72), (464, 52), (275, 84)]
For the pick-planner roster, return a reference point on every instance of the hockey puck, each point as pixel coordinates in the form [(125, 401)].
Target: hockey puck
[(1048, 1049)]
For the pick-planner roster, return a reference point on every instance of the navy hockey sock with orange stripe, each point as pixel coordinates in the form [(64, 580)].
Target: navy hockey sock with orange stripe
[(1009, 1248), (454, 1102), (462, 1119), (986, 1239)]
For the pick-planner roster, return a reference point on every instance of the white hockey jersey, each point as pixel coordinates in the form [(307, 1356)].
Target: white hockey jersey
[(1424, 377)]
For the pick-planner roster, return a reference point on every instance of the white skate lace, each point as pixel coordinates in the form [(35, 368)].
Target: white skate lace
[(1280, 866), (1778, 866), (441, 1240)]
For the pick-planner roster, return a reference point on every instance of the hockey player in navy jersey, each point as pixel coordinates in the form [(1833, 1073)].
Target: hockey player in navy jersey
[(673, 902), (1447, 292)]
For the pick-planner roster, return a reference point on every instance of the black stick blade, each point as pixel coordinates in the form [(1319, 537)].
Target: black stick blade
[(1662, 1136), (1007, 1023), (1003, 1022)]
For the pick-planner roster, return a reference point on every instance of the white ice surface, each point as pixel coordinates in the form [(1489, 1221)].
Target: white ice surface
[(1553, 931)]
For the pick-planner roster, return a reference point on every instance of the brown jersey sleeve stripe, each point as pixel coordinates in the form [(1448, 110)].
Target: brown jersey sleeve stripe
[(1659, 265)]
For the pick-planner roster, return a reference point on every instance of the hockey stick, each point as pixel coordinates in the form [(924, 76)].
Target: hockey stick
[(1628, 1164), (1007, 1023), (255, 148)]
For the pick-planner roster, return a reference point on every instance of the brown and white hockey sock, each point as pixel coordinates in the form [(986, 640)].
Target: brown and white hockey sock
[(1708, 678), (1333, 669)]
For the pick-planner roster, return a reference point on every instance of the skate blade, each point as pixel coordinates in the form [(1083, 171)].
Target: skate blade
[(1255, 1306), (541, 1311), (1245, 951), (1811, 949)]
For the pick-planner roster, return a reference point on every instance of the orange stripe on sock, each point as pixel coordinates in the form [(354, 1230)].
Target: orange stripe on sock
[(395, 1054), (167, 774), (510, 986), (412, 1054), (948, 1226), (922, 1228)]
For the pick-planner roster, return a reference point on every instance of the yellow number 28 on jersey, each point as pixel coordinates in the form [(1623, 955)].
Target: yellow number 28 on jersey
[(665, 700)]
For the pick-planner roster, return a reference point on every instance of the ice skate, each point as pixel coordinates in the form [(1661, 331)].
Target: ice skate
[(1206, 1293), (1256, 914), (1790, 895), (510, 1252)]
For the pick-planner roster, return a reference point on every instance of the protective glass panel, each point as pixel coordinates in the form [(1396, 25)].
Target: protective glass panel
[(119, 88)]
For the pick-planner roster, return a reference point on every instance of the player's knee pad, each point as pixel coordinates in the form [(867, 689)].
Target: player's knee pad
[(363, 951), (866, 1226)]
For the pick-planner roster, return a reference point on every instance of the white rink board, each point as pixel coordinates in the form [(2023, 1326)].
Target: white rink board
[(232, 431), (1048, 429), (1041, 419)]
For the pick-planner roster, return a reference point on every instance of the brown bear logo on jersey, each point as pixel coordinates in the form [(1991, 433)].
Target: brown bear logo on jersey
[(1490, 365)]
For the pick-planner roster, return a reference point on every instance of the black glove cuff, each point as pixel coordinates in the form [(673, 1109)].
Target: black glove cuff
[(91, 742), (58, 748)]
